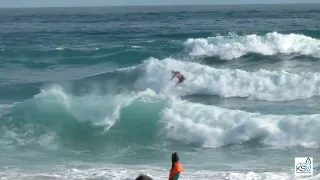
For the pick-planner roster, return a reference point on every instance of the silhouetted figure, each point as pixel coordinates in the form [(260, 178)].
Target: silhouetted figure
[(174, 158)]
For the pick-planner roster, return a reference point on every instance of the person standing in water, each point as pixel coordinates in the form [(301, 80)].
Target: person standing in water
[(178, 75), (176, 167)]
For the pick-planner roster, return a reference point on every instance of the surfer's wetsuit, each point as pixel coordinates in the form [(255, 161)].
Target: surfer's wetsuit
[(178, 75)]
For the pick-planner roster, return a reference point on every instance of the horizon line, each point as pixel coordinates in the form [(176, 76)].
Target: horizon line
[(149, 5)]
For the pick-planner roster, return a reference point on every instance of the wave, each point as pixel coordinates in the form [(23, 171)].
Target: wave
[(72, 121), (55, 119), (213, 127), (200, 80), (234, 46), (205, 80)]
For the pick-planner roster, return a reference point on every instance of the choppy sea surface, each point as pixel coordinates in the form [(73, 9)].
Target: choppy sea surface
[(85, 92)]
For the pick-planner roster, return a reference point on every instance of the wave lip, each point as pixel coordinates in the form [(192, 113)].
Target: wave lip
[(234, 46), (201, 79)]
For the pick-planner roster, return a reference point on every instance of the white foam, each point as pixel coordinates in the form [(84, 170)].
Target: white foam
[(4, 108), (201, 79), (157, 173), (60, 48), (11, 138), (233, 46), (213, 127)]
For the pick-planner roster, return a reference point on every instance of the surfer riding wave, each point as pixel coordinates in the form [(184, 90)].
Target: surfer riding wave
[(178, 75)]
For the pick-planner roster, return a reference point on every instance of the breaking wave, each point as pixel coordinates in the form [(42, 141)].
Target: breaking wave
[(56, 119), (234, 46), (205, 80)]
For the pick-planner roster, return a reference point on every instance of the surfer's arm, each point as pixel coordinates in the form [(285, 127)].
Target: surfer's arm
[(172, 77)]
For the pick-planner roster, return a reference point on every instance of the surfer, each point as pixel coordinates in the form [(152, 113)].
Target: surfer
[(176, 167), (178, 75)]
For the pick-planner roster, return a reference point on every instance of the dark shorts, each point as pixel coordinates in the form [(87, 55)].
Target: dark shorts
[(181, 79)]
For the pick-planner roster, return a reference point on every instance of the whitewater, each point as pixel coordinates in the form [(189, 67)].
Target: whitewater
[(85, 93)]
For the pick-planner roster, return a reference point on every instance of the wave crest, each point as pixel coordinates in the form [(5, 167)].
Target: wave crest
[(234, 46), (204, 80), (211, 126)]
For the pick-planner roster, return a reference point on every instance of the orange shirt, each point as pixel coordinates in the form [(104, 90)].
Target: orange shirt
[(177, 167)]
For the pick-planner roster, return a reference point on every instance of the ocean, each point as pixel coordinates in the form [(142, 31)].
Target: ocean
[(85, 93)]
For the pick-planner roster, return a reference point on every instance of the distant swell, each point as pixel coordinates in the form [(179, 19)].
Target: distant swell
[(45, 57), (234, 46)]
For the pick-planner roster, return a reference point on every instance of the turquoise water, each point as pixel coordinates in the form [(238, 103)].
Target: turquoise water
[(85, 92)]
